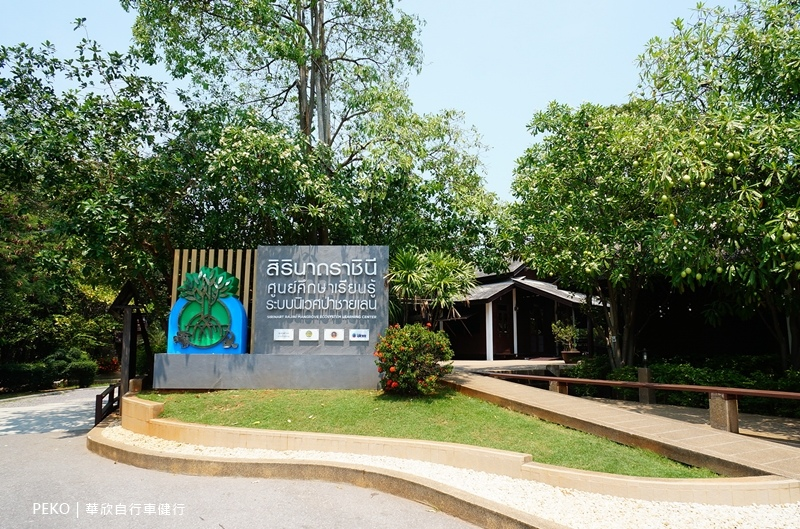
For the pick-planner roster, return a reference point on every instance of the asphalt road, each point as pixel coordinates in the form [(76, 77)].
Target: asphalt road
[(50, 480)]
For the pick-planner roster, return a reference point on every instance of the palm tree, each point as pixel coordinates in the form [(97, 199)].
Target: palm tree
[(430, 282)]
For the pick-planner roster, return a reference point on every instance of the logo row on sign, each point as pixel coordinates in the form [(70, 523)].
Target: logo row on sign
[(312, 335)]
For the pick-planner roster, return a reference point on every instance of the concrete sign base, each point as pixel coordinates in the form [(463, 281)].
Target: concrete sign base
[(235, 371)]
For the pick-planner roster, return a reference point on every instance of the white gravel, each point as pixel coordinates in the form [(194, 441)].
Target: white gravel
[(571, 508)]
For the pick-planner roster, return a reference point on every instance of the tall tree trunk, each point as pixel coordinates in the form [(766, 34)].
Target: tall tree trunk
[(610, 303), (305, 99), (783, 325), (629, 307), (322, 73), (619, 307)]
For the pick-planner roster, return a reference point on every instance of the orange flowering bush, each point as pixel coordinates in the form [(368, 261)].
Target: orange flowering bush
[(411, 359)]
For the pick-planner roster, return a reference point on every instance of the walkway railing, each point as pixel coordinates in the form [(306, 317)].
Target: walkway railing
[(723, 401), (102, 410)]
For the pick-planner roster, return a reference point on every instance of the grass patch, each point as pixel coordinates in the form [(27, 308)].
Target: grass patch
[(448, 416)]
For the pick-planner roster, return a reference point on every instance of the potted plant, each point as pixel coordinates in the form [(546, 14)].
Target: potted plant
[(567, 334)]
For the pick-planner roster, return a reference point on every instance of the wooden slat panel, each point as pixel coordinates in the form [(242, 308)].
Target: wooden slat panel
[(241, 263), (176, 274), (252, 266), (184, 264), (246, 286), (222, 257), (253, 278), (238, 270)]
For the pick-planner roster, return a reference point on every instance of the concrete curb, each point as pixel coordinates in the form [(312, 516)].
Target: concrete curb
[(470, 508)]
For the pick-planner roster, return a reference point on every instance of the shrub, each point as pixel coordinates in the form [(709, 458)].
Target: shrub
[(682, 373), (158, 339), (789, 382), (627, 374), (108, 365), (595, 367), (735, 372), (158, 344), (60, 360), (411, 359), (82, 372), (20, 377), (58, 367)]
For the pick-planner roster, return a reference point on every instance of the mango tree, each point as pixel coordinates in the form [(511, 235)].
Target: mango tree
[(581, 215), (728, 180)]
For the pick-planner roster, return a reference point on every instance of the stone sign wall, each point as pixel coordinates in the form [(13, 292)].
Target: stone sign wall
[(317, 314), (320, 300)]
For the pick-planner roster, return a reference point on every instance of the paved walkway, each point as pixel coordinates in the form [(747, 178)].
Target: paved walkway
[(778, 429), (655, 428), (781, 429), (44, 461), (51, 480)]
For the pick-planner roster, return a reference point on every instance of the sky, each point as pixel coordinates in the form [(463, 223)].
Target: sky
[(497, 61)]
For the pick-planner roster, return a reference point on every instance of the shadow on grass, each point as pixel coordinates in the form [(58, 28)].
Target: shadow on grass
[(442, 393)]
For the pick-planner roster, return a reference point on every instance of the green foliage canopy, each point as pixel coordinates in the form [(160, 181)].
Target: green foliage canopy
[(580, 215), (727, 169), (429, 282)]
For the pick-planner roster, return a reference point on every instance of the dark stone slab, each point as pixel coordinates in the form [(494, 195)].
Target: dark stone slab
[(320, 300), (198, 371)]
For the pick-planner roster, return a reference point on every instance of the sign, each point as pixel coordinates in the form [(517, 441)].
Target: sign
[(316, 316), (334, 335), (283, 335), (359, 335), (337, 293), (309, 335), (208, 318)]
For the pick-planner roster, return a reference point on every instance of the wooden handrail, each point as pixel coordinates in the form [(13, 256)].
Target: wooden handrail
[(741, 392), (723, 400), (101, 411)]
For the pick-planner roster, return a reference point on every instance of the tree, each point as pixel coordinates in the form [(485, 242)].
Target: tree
[(80, 151), (429, 283), (125, 179), (580, 216), (45, 303), (322, 61), (72, 197), (332, 73), (419, 185), (727, 173), (253, 182)]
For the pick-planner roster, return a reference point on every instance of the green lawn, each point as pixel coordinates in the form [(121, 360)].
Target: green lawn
[(449, 417)]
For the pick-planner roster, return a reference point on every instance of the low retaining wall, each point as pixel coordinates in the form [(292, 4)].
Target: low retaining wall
[(141, 416)]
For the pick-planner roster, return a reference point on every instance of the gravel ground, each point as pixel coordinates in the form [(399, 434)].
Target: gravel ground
[(572, 508)]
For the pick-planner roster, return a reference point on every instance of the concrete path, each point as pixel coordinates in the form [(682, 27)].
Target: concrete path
[(51, 480), (58, 411), (694, 444)]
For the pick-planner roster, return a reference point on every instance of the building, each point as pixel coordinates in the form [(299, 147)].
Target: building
[(510, 315)]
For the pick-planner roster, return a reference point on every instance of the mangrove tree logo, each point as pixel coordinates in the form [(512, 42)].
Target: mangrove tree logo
[(205, 320)]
